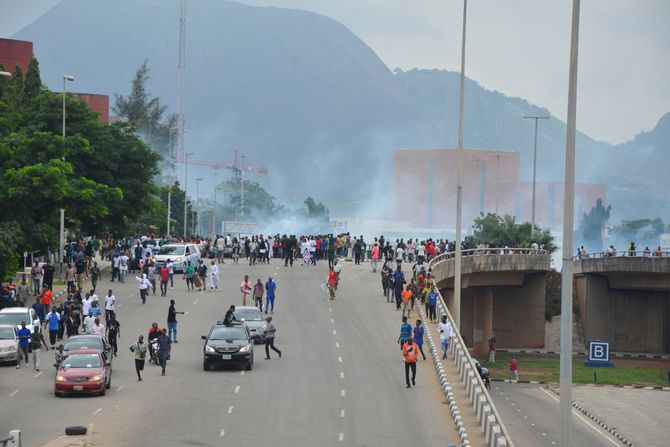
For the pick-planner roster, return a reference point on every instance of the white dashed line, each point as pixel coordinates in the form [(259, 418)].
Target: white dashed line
[(341, 375), (120, 388), (230, 409), (97, 411), (330, 309), (222, 433), (131, 294), (334, 332), (185, 313), (343, 393), (544, 434), (339, 359), (337, 345), (195, 302), (341, 437), (14, 393), (332, 321), (341, 413), (533, 424), (525, 417), (37, 375), (237, 389), (119, 305)]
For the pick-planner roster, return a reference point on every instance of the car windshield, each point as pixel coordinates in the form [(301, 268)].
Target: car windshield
[(82, 361), (248, 315), (92, 343), (228, 333), (6, 333), (14, 318), (177, 250)]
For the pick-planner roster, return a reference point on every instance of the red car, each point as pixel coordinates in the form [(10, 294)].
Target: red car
[(86, 371)]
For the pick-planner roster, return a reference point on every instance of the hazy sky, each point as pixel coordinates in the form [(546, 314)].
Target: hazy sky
[(518, 47)]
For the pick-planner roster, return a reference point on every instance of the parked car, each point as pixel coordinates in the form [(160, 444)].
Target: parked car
[(9, 344), (254, 320), (15, 315), (84, 372), (88, 343), (179, 254), (228, 344)]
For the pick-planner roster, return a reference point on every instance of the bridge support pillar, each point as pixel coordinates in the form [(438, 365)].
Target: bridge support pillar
[(483, 320)]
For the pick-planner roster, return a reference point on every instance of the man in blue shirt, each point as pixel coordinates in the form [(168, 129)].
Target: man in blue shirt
[(53, 320), (24, 340), (418, 337), (165, 344), (39, 310), (398, 282), (431, 302), (405, 332), (270, 288)]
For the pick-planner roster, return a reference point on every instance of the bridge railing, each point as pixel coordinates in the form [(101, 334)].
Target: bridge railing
[(447, 256), (485, 410), (623, 254)]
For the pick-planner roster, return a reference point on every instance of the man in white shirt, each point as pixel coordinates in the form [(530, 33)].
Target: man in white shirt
[(446, 332), (97, 328), (116, 262), (421, 252), (89, 321), (110, 300), (86, 304), (123, 267), (214, 276)]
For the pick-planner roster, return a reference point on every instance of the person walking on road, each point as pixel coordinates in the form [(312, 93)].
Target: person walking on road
[(36, 272), (95, 275), (113, 332), (189, 271), (245, 288), (332, 283), (110, 305), (24, 340), (410, 353), (140, 351), (202, 275), (214, 275), (165, 344), (406, 300), (36, 342), (398, 282), (513, 370), (270, 332), (405, 332), (259, 291), (446, 332), (431, 302), (492, 349), (172, 322), (98, 328), (418, 337), (270, 288), (165, 276), (144, 285), (53, 321)]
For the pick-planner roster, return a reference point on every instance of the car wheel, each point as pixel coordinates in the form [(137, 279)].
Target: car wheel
[(104, 391), (76, 430), (250, 365), (206, 366), (57, 394), (109, 384)]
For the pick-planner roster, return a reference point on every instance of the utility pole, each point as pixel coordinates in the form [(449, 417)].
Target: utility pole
[(568, 223), (532, 217), (459, 185), (178, 147), (61, 238)]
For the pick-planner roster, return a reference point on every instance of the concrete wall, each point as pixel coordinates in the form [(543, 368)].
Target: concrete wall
[(97, 103), (15, 52)]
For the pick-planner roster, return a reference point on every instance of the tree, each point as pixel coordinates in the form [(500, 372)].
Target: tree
[(316, 210), (644, 232), (592, 225), (494, 229), (258, 203), (33, 83), (145, 112)]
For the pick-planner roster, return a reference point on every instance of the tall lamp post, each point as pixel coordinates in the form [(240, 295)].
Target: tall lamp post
[(459, 184), (532, 213), (568, 223), (61, 239), (196, 217), (186, 191)]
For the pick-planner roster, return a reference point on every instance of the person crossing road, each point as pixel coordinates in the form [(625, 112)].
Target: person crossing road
[(270, 332)]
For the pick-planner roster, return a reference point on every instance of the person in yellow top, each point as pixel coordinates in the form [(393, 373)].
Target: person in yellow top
[(410, 353), (406, 301)]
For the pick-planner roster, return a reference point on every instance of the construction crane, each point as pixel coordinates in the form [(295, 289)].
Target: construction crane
[(238, 168)]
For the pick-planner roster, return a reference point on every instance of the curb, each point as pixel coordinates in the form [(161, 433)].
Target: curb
[(590, 385), (595, 419), (444, 382), (584, 354)]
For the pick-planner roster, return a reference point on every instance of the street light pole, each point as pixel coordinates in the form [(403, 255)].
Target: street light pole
[(459, 185), (532, 215), (61, 238), (568, 223), (196, 218), (186, 191)]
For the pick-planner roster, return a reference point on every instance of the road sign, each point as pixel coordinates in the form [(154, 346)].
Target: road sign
[(238, 227), (599, 354)]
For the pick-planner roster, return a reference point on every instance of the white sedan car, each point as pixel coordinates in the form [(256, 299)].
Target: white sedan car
[(15, 315), (9, 344)]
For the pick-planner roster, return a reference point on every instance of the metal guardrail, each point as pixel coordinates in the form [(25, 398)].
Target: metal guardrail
[(479, 395), (13, 440), (447, 256), (623, 254)]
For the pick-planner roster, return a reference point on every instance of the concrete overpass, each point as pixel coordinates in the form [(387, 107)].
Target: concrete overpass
[(503, 294), (625, 300)]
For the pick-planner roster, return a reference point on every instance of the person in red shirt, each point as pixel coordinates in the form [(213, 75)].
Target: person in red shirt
[(165, 276), (410, 353), (513, 369), (332, 282), (45, 299)]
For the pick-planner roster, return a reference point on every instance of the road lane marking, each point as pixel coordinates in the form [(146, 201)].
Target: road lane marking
[(131, 294), (230, 409), (332, 321), (334, 332), (343, 393), (97, 411), (580, 417), (237, 389), (241, 373), (37, 375), (337, 345), (341, 437), (544, 434), (341, 375), (330, 309), (14, 393), (120, 388), (339, 359), (222, 433), (119, 305), (341, 413), (195, 302)]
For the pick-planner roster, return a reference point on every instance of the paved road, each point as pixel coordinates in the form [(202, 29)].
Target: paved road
[(531, 415), (340, 381)]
